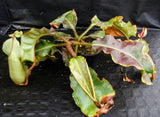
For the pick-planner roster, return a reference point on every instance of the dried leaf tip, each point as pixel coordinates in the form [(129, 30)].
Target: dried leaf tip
[(108, 104), (143, 33)]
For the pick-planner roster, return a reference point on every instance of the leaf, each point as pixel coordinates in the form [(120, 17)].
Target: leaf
[(68, 19), (19, 72), (146, 78), (126, 28), (97, 34), (80, 69), (42, 49), (103, 90), (114, 32), (17, 69), (28, 42), (116, 26), (7, 47), (129, 53), (96, 22), (17, 34), (67, 36)]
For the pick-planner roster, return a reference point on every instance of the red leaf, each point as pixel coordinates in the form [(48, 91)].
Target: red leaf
[(128, 53)]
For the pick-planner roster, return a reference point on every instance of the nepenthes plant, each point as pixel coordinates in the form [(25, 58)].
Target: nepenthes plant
[(92, 95)]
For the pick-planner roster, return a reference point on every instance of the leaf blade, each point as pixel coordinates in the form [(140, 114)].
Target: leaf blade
[(96, 22), (7, 47), (116, 26), (68, 19), (103, 91), (78, 67), (43, 49), (98, 34), (17, 70), (128, 53), (28, 42), (81, 99)]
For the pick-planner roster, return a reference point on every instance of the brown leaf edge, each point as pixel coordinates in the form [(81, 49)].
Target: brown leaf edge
[(145, 53), (106, 101), (108, 105), (114, 32)]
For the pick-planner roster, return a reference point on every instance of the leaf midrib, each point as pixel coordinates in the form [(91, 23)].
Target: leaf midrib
[(120, 30), (92, 89), (102, 45), (47, 47)]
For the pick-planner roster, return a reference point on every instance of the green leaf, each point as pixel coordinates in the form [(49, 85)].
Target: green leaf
[(28, 42), (80, 69), (7, 47), (129, 53), (18, 54), (68, 19), (17, 69), (103, 90), (95, 21), (42, 49), (17, 34), (97, 34), (126, 29), (67, 36)]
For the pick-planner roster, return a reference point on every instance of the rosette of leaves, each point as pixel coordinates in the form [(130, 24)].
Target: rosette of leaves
[(92, 95)]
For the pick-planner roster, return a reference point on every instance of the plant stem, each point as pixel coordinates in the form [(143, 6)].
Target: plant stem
[(57, 35), (69, 47), (81, 43), (85, 32), (76, 49), (61, 37), (72, 43), (81, 36), (75, 33), (84, 37), (59, 45)]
